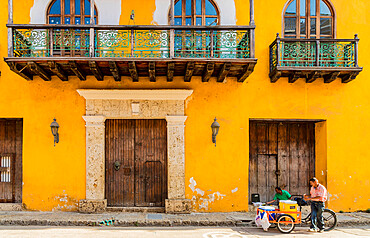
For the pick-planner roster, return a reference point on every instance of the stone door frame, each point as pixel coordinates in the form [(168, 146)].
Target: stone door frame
[(134, 104)]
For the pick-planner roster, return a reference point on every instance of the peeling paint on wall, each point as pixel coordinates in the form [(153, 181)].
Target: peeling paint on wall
[(200, 201), (234, 190), (65, 203)]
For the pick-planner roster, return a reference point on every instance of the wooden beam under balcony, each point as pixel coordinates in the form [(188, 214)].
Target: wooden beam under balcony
[(224, 72), (170, 71), (152, 68), (152, 77), (208, 71), (18, 69), (349, 77), (77, 70), (113, 67), (247, 71), (311, 74), (96, 70), (189, 71), (294, 77), (37, 70), (58, 71), (311, 77), (331, 76), (133, 71)]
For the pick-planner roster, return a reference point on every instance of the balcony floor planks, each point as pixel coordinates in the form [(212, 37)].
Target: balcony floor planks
[(142, 66)]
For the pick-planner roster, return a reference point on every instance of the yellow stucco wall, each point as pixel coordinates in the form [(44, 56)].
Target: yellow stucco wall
[(54, 177)]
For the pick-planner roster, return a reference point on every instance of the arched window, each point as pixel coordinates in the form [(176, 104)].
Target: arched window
[(70, 12), (309, 19), (196, 13)]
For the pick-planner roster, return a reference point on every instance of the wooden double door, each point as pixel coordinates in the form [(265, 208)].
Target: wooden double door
[(136, 163), (281, 154), (11, 160)]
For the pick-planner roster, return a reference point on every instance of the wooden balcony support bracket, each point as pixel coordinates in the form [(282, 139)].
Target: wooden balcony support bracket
[(36, 69), (224, 72), (170, 71), (14, 67), (331, 77), (189, 71), (208, 71), (94, 67), (113, 67), (248, 71), (349, 77), (275, 76), (152, 77), (77, 70), (58, 71), (311, 77), (133, 71), (294, 76)]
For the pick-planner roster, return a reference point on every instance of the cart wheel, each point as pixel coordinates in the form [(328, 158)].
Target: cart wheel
[(285, 223), (330, 219)]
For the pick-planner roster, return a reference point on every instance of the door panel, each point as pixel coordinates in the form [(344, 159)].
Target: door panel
[(151, 160), (139, 148), (11, 160), (281, 154)]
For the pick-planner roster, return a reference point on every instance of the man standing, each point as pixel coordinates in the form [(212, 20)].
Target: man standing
[(319, 195), (280, 195)]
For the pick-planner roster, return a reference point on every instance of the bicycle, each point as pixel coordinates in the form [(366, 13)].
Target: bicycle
[(286, 221)]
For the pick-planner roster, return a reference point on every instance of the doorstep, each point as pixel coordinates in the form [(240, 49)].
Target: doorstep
[(10, 206), (136, 209)]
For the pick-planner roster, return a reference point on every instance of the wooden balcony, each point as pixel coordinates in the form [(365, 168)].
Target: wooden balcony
[(134, 51), (314, 58)]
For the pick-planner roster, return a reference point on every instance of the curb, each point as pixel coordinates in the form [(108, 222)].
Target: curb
[(150, 223)]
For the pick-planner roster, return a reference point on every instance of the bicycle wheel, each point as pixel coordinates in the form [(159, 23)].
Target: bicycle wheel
[(285, 223), (330, 219)]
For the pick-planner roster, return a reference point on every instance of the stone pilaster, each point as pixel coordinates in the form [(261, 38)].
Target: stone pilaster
[(176, 202), (95, 165)]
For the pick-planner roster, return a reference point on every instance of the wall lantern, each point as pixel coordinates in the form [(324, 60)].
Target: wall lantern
[(54, 130), (215, 127)]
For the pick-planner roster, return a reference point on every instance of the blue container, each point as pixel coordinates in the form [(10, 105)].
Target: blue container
[(263, 209)]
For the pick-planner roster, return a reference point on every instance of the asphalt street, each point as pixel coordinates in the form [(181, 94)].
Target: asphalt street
[(182, 232)]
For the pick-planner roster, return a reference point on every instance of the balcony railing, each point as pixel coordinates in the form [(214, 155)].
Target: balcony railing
[(219, 42), (323, 55)]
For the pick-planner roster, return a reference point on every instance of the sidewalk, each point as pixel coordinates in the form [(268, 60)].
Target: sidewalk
[(23, 218)]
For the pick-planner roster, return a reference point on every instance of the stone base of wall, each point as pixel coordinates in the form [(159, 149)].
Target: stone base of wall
[(10, 206), (92, 206), (178, 206)]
